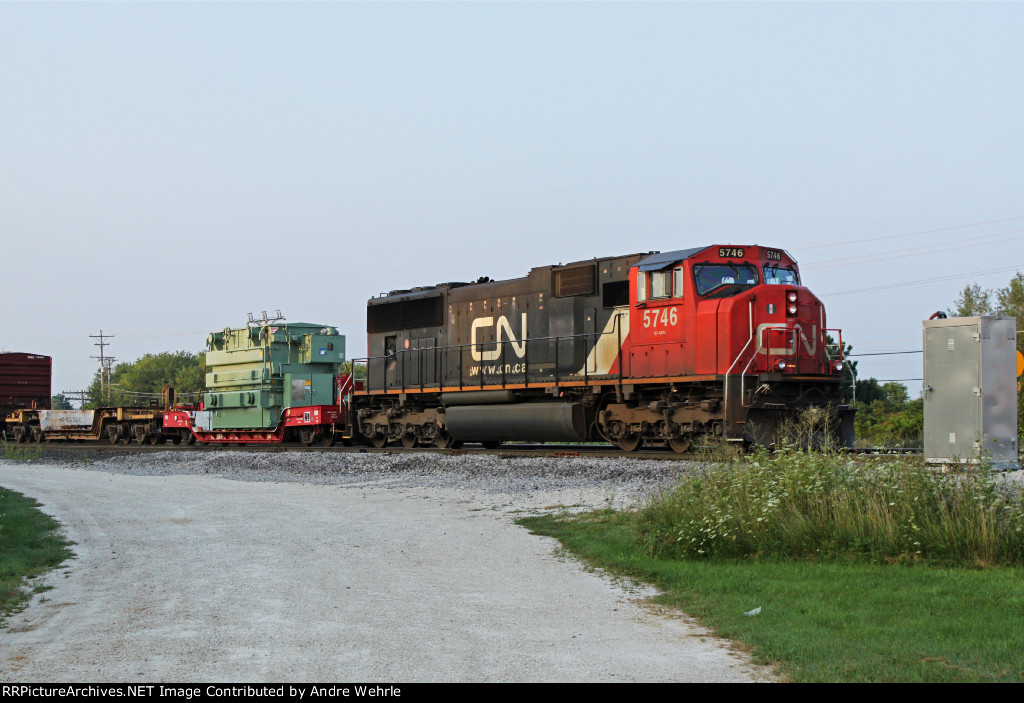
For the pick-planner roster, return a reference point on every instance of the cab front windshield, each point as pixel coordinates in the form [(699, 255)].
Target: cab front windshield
[(781, 275), (722, 280)]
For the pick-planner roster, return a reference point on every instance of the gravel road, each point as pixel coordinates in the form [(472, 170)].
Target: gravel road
[(231, 566)]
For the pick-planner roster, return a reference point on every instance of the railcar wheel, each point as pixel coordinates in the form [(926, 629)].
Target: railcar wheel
[(379, 441), (329, 438), (125, 435), (188, 439), (112, 434), (176, 439), (306, 436), (679, 444), (443, 440), (155, 438), (409, 441), (629, 443)]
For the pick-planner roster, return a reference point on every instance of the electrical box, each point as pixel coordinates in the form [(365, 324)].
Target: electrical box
[(970, 391)]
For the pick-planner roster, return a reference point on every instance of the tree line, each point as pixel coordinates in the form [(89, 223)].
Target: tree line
[(140, 383), (888, 416)]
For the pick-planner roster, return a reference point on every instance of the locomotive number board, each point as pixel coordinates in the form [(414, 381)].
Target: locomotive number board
[(740, 253)]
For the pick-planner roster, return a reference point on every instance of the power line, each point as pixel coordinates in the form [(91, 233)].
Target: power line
[(928, 248), (909, 234), (81, 396), (912, 351), (904, 256), (925, 281), (886, 341)]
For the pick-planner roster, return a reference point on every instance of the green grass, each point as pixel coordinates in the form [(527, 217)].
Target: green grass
[(827, 621), (30, 545)]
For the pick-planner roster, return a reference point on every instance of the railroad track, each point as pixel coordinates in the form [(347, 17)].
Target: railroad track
[(507, 450)]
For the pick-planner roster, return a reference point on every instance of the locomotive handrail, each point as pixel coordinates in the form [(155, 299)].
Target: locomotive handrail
[(728, 372), (421, 384), (760, 346)]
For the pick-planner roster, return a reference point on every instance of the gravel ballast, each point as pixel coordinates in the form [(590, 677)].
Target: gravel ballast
[(323, 566)]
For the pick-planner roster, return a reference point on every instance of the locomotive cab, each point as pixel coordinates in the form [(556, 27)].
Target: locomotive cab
[(727, 310), (737, 324)]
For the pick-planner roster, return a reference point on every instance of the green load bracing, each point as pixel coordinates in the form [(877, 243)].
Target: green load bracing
[(254, 373)]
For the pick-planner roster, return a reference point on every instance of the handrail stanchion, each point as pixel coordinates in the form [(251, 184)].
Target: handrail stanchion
[(556, 361)]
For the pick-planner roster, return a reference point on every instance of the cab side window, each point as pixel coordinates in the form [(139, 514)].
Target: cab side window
[(677, 282), (641, 287), (660, 285)]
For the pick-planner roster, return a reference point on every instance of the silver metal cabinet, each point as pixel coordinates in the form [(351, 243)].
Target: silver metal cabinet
[(970, 391)]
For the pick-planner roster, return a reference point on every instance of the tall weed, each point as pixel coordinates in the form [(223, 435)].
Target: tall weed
[(803, 505)]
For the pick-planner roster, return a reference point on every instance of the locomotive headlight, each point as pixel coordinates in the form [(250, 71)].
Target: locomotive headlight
[(780, 364), (791, 296), (838, 365), (792, 309)]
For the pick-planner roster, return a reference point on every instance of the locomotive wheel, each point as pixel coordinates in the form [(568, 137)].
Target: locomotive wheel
[(629, 443), (379, 441), (409, 441), (679, 444), (443, 440)]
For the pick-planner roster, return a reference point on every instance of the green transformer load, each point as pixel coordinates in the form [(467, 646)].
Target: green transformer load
[(253, 374)]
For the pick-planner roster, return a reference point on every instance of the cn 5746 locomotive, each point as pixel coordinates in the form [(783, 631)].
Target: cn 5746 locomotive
[(657, 348)]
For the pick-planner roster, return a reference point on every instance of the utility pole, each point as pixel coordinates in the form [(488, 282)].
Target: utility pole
[(105, 361), (80, 394)]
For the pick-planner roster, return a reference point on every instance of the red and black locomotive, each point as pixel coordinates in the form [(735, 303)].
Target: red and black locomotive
[(660, 348)]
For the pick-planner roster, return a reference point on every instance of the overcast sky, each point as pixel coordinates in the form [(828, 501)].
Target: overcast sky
[(166, 169)]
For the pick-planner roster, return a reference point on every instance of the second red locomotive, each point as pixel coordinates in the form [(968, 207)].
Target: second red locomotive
[(659, 348)]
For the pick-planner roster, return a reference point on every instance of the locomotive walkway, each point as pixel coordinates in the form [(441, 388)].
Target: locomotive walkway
[(199, 578)]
